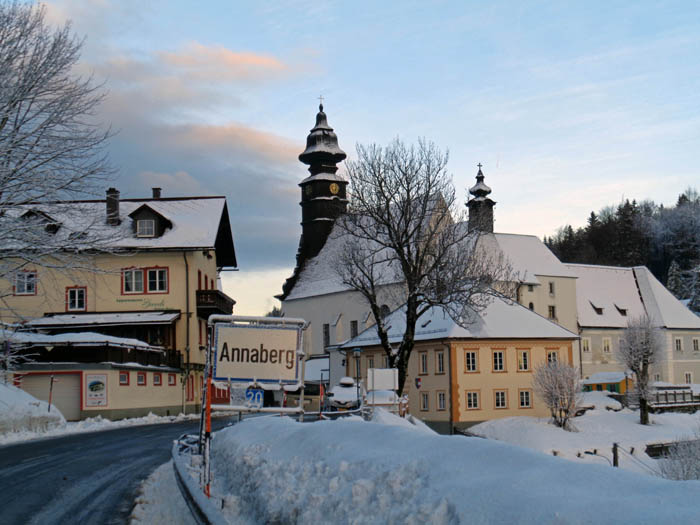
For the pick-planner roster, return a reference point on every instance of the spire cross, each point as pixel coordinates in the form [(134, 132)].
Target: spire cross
[(479, 165)]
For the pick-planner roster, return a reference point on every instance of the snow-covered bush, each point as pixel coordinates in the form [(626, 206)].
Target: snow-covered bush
[(558, 385), (682, 462)]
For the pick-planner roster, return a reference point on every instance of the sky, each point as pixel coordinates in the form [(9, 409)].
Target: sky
[(569, 106)]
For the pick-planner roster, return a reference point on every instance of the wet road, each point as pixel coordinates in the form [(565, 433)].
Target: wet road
[(84, 478)]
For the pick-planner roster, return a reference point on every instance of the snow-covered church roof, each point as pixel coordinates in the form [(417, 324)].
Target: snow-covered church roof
[(609, 296), (501, 319)]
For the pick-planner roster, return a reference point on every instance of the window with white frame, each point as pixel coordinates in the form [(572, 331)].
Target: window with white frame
[(678, 344), (439, 362), (423, 362), (424, 401), (441, 401), (689, 378), (525, 399), (501, 400), (523, 360), (606, 345), (472, 400), (470, 362), (75, 299), (498, 361), (132, 280), (586, 344), (158, 280), (25, 283), (552, 356), (145, 228), (696, 344)]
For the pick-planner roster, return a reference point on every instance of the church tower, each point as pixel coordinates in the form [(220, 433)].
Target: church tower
[(323, 193), (480, 206)]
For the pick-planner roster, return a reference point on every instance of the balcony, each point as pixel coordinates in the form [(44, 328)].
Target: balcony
[(213, 302)]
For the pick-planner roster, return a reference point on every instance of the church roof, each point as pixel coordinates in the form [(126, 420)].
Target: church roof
[(501, 319)]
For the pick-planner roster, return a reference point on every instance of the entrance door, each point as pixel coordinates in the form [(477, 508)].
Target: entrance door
[(66, 392)]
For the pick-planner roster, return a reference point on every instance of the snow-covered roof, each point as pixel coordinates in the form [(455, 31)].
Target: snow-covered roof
[(156, 317), (75, 339), (605, 377), (609, 296), (315, 368), (529, 256), (499, 320), (196, 222)]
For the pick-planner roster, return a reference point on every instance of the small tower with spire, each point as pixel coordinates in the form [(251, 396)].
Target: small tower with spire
[(480, 205), (323, 192)]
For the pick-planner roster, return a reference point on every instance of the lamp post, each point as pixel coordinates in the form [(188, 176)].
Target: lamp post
[(356, 352)]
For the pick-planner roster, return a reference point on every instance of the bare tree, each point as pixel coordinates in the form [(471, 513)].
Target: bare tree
[(51, 146), (640, 347), (405, 231), (558, 385)]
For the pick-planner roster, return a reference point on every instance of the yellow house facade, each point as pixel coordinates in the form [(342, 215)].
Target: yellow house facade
[(148, 292)]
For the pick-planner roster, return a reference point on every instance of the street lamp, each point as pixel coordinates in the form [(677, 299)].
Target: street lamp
[(356, 352)]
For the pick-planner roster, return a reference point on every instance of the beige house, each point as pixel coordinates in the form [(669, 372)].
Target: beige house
[(457, 376), (128, 335)]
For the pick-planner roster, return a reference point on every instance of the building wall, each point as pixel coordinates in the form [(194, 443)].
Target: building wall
[(563, 299)]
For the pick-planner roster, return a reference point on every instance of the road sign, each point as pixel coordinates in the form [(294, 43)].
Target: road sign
[(254, 397)]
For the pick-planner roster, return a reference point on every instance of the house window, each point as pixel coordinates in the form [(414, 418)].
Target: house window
[(552, 357), (552, 311), (586, 344), (326, 335), (531, 307), (423, 363), (472, 400), (132, 281), (171, 380), (25, 283), (158, 280), (441, 400), (141, 378), (688, 378), (657, 377), (696, 345), (498, 362), (501, 399), (424, 401), (530, 288), (523, 360), (551, 288), (678, 344), (157, 379), (353, 329), (370, 362), (75, 299), (124, 378), (606, 345), (145, 228), (525, 399), (439, 362), (386, 361), (470, 362)]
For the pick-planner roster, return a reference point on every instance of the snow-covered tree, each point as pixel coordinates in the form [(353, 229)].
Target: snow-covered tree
[(559, 387), (674, 281), (405, 226), (51, 146), (641, 347), (682, 462)]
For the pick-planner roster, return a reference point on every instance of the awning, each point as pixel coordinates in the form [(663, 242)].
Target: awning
[(107, 319), (82, 339)]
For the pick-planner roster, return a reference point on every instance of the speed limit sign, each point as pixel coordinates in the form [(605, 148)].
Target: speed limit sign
[(254, 397)]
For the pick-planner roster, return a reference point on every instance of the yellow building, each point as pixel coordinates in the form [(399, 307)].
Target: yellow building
[(458, 377), (126, 335)]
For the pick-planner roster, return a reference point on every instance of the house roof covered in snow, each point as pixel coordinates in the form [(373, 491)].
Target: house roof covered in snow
[(609, 296), (605, 377), (501, 319), (105, 319), (192, 223)]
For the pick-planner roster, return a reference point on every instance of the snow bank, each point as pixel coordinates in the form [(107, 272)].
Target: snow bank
[(22, 412), (599, 400), (598, 429), (159, 500), (275, 470)]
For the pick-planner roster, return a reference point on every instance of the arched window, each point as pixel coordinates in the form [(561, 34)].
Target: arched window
[(384, 311), (531, 307)]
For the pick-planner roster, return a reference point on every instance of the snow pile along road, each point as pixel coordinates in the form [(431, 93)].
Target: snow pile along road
[(274, 469), (21, 412)]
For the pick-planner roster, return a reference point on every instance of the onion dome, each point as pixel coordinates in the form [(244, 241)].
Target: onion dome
[(479, 190), (322, 152)]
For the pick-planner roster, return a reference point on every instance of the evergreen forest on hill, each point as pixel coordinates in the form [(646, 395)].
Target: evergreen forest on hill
[(666, 240)]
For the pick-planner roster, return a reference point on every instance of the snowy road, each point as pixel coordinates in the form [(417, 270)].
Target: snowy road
[(83, 478)]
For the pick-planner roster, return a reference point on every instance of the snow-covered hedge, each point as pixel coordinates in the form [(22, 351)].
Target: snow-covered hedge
[(276, 470), (21, 412)]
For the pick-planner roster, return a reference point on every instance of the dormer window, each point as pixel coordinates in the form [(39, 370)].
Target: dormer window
[(145, 228), (623, 311), (598, 310)]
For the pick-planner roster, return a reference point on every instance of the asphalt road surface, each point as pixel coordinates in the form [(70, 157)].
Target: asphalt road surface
[(84, 478)]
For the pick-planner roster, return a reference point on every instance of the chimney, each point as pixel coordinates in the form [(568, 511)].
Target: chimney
[(113, 207), (156, 193)]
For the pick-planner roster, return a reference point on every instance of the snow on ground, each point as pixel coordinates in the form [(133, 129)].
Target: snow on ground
[(159, 500), (20, 412), (273, 469), (598, 429)]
